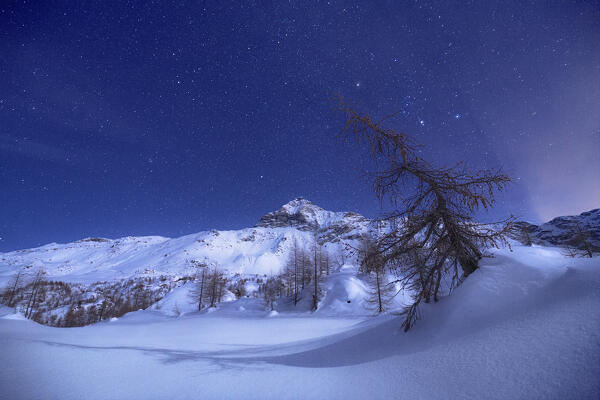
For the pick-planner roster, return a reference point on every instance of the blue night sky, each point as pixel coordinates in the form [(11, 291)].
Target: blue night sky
[(135, 118)]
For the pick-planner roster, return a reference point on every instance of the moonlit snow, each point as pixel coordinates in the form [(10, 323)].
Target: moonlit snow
[(524, 326)]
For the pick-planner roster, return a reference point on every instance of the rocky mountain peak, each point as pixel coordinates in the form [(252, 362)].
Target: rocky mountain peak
[(565, 230), (302, 214), (297, 203)]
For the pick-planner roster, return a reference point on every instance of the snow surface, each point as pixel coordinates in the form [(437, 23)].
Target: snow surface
[(249, 251), (524, 326)]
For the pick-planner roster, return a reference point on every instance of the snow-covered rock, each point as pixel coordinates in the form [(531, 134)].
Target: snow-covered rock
[(304, 215), (564, 231)]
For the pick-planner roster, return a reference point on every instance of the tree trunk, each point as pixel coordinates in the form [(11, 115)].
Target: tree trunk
[(468, 265), (9, 302), (437, 285), (316, 281), (201, 291), (377, 277)]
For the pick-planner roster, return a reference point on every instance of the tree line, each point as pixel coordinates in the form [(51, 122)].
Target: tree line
[(303, 274), (67, 304)]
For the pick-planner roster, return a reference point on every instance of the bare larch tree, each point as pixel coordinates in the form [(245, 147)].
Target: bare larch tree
[(580, 244), (11, 289), (215, 286), (272, 289), (316, 258), (380, 292), (293, 270), (198, 292), (522, 233), (434, 236), (36, 292)]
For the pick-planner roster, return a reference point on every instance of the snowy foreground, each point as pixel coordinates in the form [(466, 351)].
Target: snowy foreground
[(525, 326)]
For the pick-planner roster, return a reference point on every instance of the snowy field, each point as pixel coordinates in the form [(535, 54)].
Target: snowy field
[(525, 326)]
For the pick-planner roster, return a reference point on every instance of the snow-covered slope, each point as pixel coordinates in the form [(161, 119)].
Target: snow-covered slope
[(157, 271), (524, 326), (259, 250), (564, 231)]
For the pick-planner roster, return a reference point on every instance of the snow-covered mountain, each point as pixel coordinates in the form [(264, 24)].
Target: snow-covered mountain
[(526, 321), (262, 249), (305, 216), (98, 276), (565, 231), (134, 273)]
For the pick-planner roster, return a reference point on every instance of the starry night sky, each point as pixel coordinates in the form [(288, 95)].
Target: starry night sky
[(133, 118)]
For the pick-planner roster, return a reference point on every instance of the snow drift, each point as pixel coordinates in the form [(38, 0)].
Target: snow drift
[(523, 326)]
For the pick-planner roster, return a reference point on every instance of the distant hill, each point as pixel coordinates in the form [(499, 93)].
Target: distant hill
[(564, 231)]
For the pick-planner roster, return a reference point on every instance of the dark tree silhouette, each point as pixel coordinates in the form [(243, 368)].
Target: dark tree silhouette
[(198, 292), (580, 244), (380, 292), (433, 236), (15, 284), (294, 272), (522, 233), (316, 253), (272, 289), (216, 283), (36, 294)]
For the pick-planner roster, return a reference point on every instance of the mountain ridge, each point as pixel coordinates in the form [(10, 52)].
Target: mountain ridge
[(136, 272), (563, 231), (261, 249)]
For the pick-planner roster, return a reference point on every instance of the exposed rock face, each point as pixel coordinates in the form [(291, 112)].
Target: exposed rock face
[(350, 227), (563, 231), (305, 216), (298, 213)]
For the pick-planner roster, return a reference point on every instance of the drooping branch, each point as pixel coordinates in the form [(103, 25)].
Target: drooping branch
[(434, 206)]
